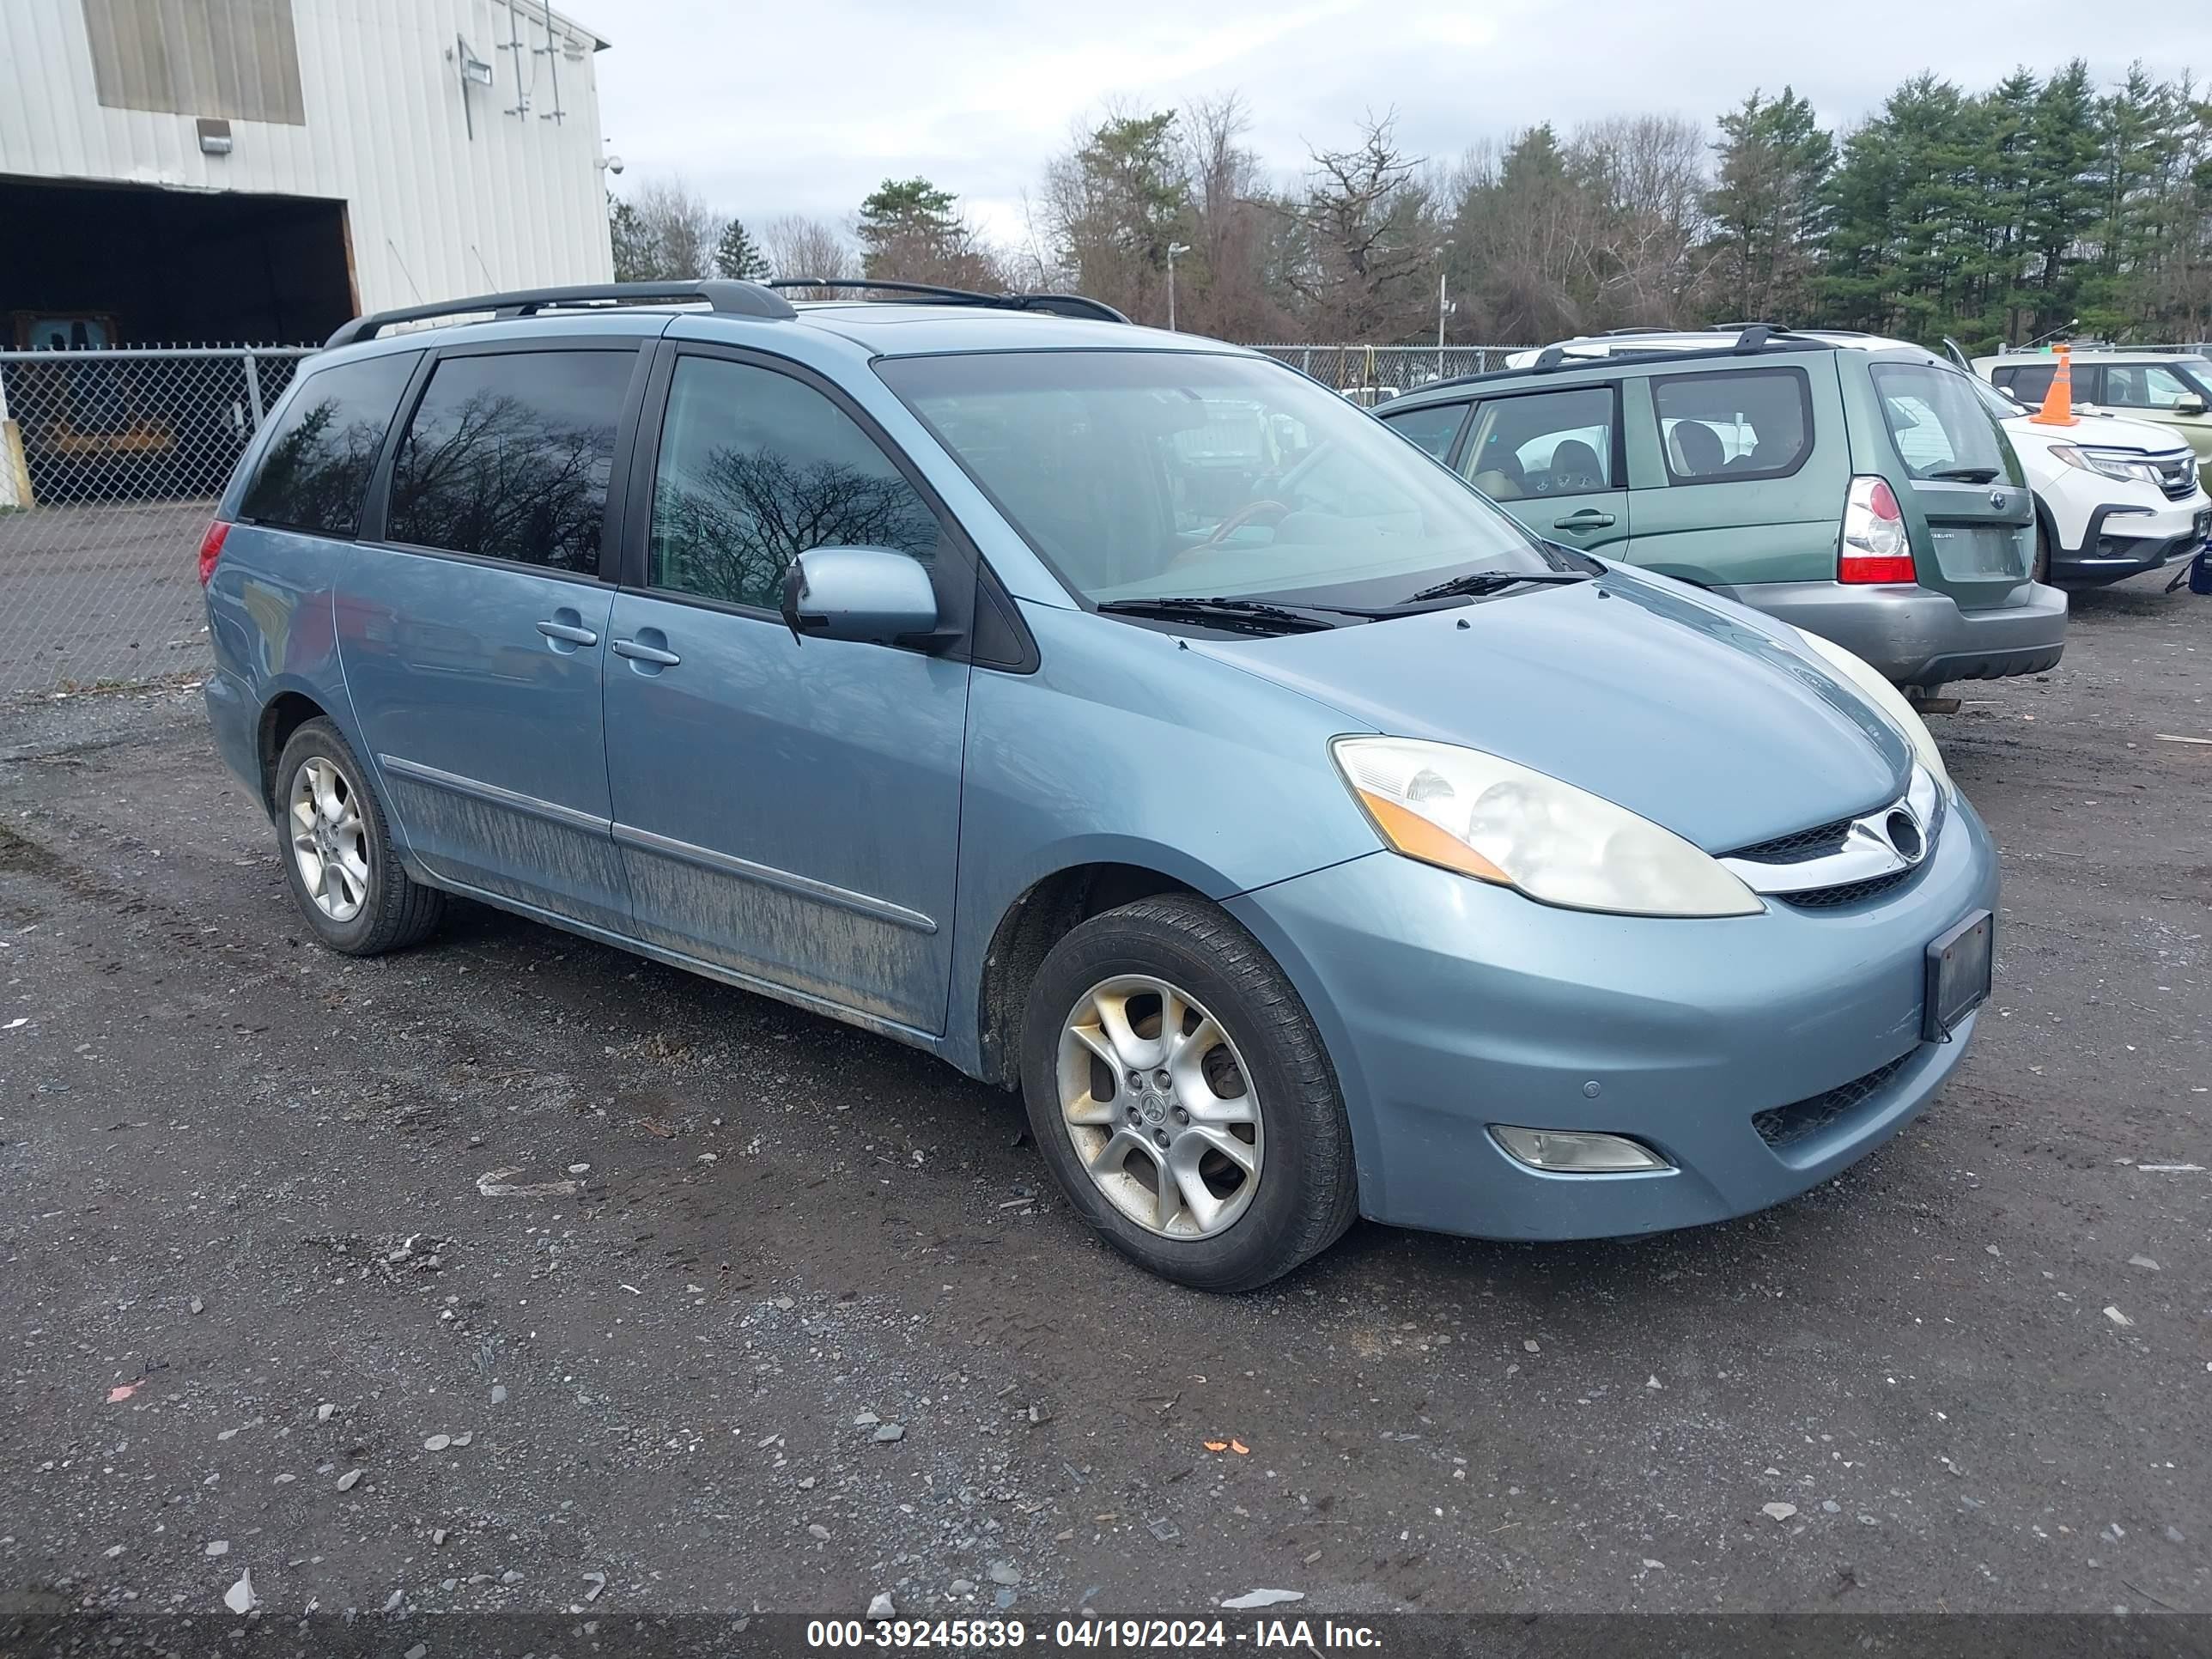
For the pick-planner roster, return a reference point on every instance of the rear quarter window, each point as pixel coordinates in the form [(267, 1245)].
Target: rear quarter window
[(1734, 427), (315, 471)]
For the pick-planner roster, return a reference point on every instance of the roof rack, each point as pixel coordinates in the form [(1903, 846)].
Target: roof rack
[(726, 298), (1059, 305)]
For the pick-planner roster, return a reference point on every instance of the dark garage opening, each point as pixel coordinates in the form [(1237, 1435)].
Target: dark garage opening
[(169, 267)]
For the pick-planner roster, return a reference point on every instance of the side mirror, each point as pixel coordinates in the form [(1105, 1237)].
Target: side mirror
[(2188, 403), (871, 595)]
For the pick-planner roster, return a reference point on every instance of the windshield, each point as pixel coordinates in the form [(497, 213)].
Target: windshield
[(1941, 428), (1154, 475), (1995, 402)]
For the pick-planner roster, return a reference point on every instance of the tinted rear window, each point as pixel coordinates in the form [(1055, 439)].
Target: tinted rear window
[(316, 469), (508, 456), (1940, 426)]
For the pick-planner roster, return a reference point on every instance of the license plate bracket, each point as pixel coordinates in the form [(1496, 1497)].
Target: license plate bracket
[(1958, 976)]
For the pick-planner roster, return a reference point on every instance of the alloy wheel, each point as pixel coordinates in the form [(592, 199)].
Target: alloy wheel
[(330, 841), (1159, 1107)]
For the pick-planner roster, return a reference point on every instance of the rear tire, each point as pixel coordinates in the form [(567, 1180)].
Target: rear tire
[(1254, 1171), (336, 849)]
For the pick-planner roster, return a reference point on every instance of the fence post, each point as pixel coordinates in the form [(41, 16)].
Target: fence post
[(253, 386), (15, 473)]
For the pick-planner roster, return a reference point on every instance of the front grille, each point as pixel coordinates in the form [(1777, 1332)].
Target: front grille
[(1850, 892), (1801, 848), (2177, 474), (1785, 1126)]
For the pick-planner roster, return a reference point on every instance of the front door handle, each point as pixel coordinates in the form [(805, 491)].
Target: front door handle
[(1588, 518), (638, 651), (553, 629)]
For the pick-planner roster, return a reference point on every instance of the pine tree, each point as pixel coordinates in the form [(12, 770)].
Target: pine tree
[(1767, 207), (738, 256)]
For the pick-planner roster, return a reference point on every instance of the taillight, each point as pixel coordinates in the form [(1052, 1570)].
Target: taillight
[(1876, 547), (211, 548)]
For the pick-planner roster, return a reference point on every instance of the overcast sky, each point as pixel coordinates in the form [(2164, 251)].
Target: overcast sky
[(797, 107)]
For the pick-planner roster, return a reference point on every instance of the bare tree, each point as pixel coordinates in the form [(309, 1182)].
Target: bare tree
[(1647, 173), (673, 232), (1371, 237), (1233, 286), (799, 246)]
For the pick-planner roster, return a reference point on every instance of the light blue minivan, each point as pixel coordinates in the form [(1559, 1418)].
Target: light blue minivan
[(1120, 716)]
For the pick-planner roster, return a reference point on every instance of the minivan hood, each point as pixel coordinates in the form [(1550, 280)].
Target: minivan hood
[(2100, 431), (1694, 712)]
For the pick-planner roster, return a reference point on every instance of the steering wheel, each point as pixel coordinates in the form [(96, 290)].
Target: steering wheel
[(1242, 516)]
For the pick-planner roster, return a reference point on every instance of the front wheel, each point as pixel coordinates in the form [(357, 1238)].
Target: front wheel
[(2042, 571), (1178, 1088)]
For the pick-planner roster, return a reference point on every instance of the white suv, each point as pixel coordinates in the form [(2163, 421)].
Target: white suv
[(2113, 498)]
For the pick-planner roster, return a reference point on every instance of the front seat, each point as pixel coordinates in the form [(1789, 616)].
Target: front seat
[(1575, 465), (1697, 450)]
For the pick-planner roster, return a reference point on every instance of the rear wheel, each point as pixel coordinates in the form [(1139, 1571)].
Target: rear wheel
[(337, 852), (1178, 1088)]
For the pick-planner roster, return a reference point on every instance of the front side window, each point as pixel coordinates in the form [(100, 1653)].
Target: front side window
[(1544, 443), (2145, 386), (1432, 428), (1941, 428), (755, 468), (1731, 428), (1166, 475), (316, 469), (507, 457)]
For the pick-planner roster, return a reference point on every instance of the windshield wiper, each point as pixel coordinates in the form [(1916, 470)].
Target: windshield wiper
[(1489, 581), (1239, 616), (1966, 474)]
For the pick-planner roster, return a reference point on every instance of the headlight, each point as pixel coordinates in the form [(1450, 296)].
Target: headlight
[(1498, 822), (1888, 699), (2125, 468)]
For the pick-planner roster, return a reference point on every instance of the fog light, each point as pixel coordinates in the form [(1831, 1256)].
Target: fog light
[(1576, 1152)]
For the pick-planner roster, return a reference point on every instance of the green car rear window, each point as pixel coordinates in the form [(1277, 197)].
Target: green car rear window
[(1941, 428)]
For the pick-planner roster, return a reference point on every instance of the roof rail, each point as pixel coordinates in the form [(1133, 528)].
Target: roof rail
[(1059, 305), (727, 298)]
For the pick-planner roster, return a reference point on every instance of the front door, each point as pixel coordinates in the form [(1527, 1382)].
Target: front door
[(1552, 460), (789, 811), (473, 629)]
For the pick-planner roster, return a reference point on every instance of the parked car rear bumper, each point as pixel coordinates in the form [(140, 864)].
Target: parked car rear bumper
[(1918, 637)]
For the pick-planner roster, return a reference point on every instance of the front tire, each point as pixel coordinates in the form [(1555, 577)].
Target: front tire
[(2042, 571), (1180, 1091), (338, 852)]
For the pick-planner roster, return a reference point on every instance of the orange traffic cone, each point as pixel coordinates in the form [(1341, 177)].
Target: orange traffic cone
[(2058, 403)]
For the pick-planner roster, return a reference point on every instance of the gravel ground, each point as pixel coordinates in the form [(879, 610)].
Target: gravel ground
[(518, 1274)]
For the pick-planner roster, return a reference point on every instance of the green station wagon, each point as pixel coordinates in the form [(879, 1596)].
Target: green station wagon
[(1851, 486)]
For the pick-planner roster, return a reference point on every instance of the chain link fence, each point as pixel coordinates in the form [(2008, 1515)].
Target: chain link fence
[(111, 462), (110, 465), (1373, 375)]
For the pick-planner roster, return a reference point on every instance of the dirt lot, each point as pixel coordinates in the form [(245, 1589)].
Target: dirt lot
[(294, 1195)]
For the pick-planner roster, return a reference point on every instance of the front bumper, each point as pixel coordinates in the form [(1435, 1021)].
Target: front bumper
[(2121, 541), (1447, 1006), (1918, 637)]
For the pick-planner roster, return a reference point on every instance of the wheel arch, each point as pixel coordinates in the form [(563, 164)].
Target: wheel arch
[(1044, 913), (280, 716)]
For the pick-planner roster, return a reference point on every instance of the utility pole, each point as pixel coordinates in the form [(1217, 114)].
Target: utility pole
[(1174, 248), (1443, 305)]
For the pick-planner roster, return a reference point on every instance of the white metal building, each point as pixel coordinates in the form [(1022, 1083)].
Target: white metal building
[(259, 170)]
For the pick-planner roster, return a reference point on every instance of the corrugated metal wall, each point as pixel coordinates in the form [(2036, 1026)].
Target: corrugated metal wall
[(433, 212)]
